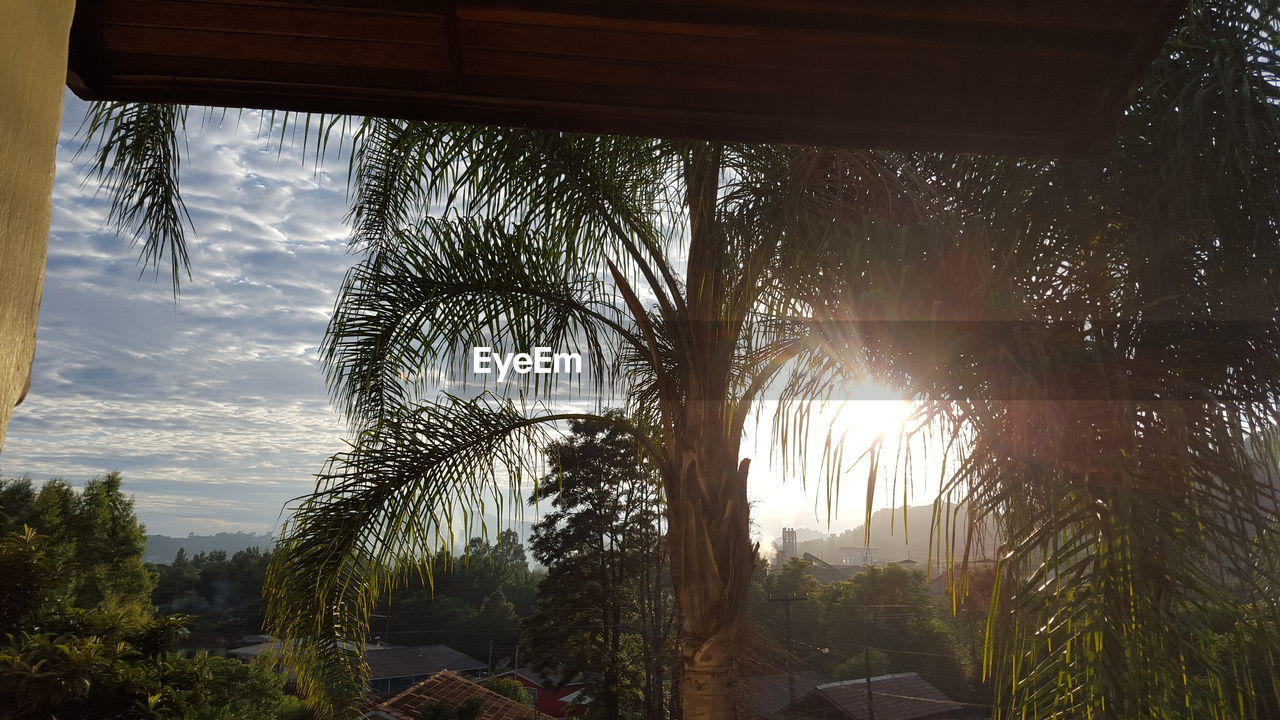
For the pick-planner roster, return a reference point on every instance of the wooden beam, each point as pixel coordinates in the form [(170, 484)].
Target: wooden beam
[(1005, 76)]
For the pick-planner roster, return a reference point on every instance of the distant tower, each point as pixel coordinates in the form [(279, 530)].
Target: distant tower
[(790, 548)]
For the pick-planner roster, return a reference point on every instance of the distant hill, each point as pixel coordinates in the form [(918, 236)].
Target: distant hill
[(162, 548), (895, 538)]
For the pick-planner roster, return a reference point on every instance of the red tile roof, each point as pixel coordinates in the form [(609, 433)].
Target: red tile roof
[(453, 690)]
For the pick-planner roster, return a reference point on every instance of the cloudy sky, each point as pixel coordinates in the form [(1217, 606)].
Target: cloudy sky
[(213, 407)]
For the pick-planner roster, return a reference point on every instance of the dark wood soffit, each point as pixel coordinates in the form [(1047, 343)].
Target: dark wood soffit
[(1016, 77)]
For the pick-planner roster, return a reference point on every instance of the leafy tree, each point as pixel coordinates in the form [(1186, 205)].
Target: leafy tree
[(508, 688), (792, 580), (32, 580), (887, 610), (89, 677), (78, 640), (94, 538), (109, 544), (236, 690), (225, 593), (495, 624), (486, 568), (465, 601), (891, 609), (869, 663), (603, 613)]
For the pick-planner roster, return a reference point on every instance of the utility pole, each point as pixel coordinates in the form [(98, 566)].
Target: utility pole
[(791, 651)]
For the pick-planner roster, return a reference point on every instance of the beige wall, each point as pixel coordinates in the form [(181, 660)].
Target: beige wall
[(33, 70)]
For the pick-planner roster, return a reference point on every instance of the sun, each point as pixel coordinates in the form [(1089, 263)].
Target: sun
[(869, 412), (789, 480), (802, 438)]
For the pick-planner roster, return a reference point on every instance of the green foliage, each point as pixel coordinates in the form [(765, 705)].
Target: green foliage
[(293, 708), (863, 665), (468, 710), (508, 688), (32, 580), (235, 690), (94, 539), (110, 676), (887, 608), (78, 640), (467, 605), (224, 593), (604, 609)]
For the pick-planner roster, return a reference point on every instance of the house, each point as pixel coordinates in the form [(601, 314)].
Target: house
[(905, 696), (453, 691), (549, 695), (392, 667), (764, 696)]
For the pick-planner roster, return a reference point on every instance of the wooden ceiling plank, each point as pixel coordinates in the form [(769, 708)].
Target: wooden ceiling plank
[(265, 47), (785, 50), (582, 117), (1087, 15), (134, 68), (336, 23), (1005, 22)]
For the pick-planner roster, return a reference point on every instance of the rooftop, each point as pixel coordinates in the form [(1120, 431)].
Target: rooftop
[(392, 661), (452, 690), (904, 696)]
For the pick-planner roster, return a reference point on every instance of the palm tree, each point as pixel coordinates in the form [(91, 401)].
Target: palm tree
[(551, 240), (1117, 400), (1095, 339)]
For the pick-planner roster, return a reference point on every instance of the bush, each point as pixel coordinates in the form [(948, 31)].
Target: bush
[(507, 687)]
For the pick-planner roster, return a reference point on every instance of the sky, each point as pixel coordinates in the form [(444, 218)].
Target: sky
[(214, 407)]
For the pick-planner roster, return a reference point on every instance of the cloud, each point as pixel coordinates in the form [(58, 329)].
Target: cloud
[(214, 407)]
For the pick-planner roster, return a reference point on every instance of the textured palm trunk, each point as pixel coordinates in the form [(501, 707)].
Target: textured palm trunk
[(712, 562), (711, 554)]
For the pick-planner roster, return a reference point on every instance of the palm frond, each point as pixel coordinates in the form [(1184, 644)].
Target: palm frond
[(136, 150), (406, 320), (380, 512)]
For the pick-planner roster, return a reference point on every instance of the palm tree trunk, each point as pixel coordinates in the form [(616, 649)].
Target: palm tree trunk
[(711, 574), (711, 554)]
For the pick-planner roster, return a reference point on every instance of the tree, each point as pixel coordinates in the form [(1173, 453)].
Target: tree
[(882, 619), (1109, 445), (472, 602), (77, 636), (1115, 398), (224, 593), (559, 210), (93, 536), (507, 687), (32, 579), (603, 611)]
